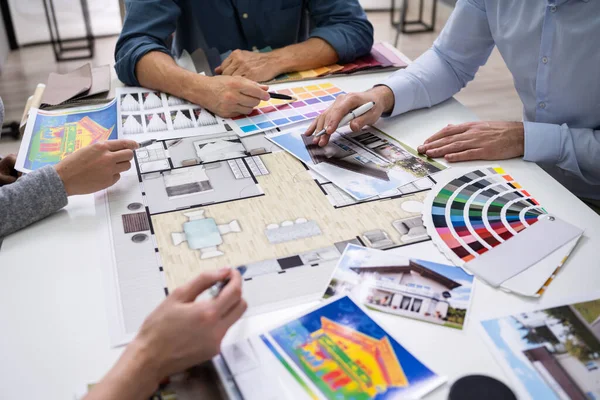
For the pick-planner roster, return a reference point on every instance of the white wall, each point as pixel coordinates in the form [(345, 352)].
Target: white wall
[(30, 23), (378, 4), (4, 47)]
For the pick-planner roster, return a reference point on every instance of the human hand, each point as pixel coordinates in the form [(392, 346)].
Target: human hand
[(259, 67), (230, 96), (8, 174), (477, 141), (182, 332), (95, 167), (382, 96)]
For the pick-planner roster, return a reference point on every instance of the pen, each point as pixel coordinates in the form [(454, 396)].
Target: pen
[(281, 96), (146, 143), (351, 115), (215, 289)]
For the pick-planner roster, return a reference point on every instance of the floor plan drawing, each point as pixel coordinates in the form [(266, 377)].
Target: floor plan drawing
[(212, 201)]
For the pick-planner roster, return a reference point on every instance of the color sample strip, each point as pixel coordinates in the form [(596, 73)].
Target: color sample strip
[(289, 369), (311, 101), (476, 212)]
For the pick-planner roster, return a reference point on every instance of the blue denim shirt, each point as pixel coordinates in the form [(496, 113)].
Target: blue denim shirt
[(551, 48), (217, 26)]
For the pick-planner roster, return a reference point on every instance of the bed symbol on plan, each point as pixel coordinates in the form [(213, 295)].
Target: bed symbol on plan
[(204, 234)]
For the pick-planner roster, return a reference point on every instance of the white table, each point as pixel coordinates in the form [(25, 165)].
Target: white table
[(52, 310)]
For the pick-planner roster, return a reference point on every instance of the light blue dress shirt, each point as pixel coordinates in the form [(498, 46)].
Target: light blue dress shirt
[(552, 49)]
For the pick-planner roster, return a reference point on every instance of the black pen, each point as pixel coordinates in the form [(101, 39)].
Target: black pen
[(281, 96)]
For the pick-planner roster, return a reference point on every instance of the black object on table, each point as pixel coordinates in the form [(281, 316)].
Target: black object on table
[(406, 26), (478, 387), (80, 48), (10, 129)]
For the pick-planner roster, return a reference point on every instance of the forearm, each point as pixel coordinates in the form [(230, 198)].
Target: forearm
[(33, 197), (131, 378), (312, 53), (574, 150), (158, 71)]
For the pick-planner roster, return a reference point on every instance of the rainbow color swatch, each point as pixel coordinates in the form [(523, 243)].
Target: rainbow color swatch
[(477, 211), (312, 101)]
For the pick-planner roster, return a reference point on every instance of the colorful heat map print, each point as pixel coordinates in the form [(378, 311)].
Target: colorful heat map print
[(477, 211), (312, 101), (346, 355), (56, 134)]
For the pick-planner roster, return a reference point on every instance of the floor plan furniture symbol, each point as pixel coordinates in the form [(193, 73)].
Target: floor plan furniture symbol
[(204, 234)]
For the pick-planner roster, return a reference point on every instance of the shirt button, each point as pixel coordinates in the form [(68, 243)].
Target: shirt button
[(254, 48), (553, 9), (245, 15), (542, 105), (545, 60)]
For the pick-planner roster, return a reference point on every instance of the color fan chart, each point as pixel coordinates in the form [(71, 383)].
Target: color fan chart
[(312, 101), (477, 211)]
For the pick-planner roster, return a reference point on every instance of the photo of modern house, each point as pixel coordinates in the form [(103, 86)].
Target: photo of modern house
[(557, 350), (405, 287)]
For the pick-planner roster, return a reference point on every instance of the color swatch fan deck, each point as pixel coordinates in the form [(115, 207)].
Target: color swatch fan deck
[(487, 222), (312, 101)]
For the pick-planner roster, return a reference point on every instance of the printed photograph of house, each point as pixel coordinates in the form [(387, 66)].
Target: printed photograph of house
[(404, 287), (554, 353)]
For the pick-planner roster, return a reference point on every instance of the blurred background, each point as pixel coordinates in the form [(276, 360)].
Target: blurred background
[(90, 28)]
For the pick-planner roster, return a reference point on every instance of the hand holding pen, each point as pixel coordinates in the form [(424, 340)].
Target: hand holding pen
[(353, 108)]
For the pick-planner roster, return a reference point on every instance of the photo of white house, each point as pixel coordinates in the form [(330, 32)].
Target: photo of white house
[(405, 287)]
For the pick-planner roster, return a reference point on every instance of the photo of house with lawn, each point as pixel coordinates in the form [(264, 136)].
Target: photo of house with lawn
[(410, 288), (556, 351)]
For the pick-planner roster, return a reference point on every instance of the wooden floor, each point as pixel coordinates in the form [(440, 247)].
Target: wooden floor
[(491, 96), (286, 182)]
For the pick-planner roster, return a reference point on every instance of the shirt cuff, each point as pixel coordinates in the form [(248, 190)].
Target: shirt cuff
[(125, 66), (345, 50), (404, 93), (542, 143)]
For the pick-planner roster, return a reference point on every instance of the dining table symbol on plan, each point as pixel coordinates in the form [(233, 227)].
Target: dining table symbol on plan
[(204, 234)]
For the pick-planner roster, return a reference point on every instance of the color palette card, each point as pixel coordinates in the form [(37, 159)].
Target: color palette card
[(312, 101), (487, 222)]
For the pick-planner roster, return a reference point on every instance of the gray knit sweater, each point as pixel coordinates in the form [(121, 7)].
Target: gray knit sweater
[(32, 197)]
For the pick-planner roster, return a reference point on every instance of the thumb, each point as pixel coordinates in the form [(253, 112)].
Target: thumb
[(199, 284), (7, 179)]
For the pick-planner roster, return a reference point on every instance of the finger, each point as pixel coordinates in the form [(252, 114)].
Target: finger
[(454, 147), (311, 128), (366, 119), (123, 166), (231, 293), (115, 179), (7, 179), (448, 131), (253, 90), (218, 70), (199, 284), (320, 124), (121, 144), (234, 315), (231, 68), (467, 155), (224, 64), (247, 101), (340, 109), (122, 155), (242, 110)]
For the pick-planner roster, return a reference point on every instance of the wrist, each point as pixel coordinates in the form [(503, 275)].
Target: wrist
[(197, 89), (143, 365), (385, 96), (280, 61), (62, 174)]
